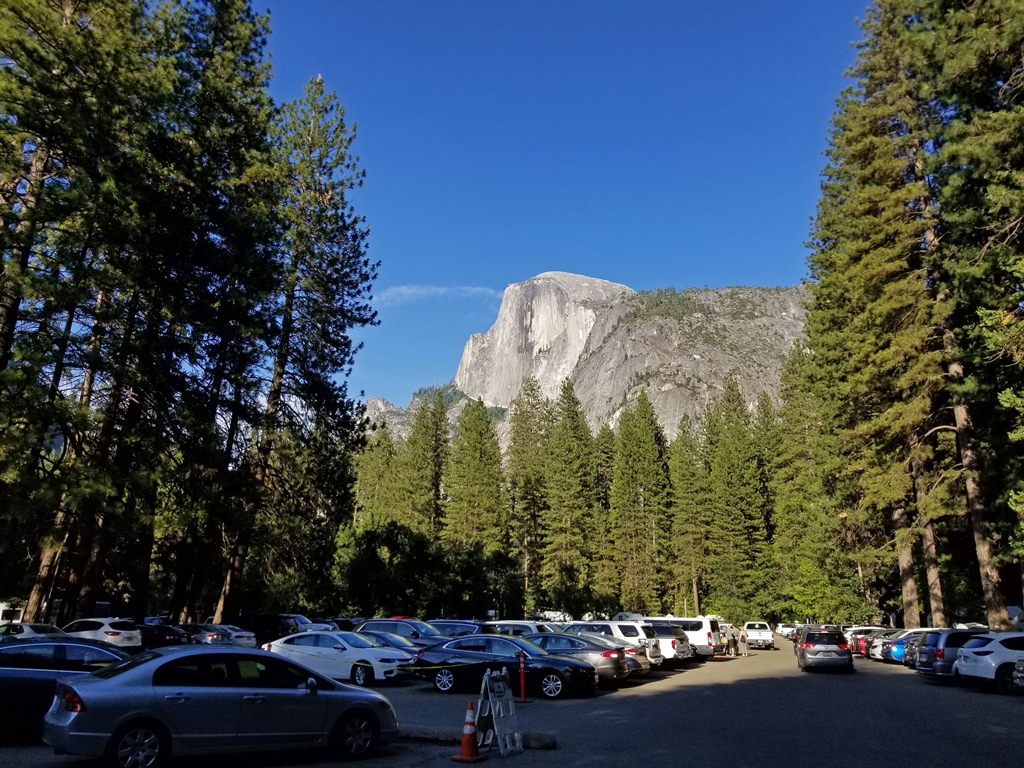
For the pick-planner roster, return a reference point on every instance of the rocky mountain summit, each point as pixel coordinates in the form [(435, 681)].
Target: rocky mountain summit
[(613, 342)]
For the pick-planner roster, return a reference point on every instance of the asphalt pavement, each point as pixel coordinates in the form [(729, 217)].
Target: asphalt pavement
[(758, 711)]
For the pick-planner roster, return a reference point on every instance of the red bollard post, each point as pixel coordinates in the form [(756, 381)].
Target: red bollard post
[(522, 677)]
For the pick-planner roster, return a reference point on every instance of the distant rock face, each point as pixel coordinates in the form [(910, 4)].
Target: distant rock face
[(612, 343), (543, 327)]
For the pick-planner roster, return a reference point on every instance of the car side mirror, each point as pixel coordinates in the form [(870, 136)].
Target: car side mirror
[(311, 684), (415, 634)]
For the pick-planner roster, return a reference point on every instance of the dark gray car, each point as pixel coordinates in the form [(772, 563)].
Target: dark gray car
[(420, 632), (823, 648), (610, 663), (937, 651)]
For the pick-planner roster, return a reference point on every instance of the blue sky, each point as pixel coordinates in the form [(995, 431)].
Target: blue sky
[(653, 144)]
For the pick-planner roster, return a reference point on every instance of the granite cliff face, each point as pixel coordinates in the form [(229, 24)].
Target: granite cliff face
[(543, 328), (613, 342)]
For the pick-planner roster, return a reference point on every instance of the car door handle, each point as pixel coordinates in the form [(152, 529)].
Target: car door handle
[(254, 697), (176, 697)]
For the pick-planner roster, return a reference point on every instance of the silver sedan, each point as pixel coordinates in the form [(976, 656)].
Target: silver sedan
[(195, 699)]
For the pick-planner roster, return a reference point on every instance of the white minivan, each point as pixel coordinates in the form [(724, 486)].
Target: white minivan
[(702, 631)]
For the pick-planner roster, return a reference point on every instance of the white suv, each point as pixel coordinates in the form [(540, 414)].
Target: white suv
[(702, 631), (119, 632), (636, 633), (991, 657), (517, 627)]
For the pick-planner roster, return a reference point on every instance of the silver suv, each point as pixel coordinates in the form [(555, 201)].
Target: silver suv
[(938, 649), (636, 633)]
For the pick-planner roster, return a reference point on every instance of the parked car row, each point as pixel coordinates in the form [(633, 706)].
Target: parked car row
[(130, 636), (962, 654)]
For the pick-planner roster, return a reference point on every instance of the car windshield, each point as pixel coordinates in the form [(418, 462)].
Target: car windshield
[(113, 670), (355, 639), (601, 639), (301, 620), (423, 628), (390, 638), (531, 648)]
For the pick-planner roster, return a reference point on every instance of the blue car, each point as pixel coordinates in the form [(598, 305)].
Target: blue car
[(894, 648)]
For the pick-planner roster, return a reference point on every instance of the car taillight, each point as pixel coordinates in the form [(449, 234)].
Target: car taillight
[(212, 635), (673, 645), (806, 645), (631, 651), (940, 653), (419, 655), (111, 633), (265, 647), (610, 654), (73, 702), (844, 646), (710, 641)]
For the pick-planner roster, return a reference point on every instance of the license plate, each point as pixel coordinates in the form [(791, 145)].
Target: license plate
[(826, 654)]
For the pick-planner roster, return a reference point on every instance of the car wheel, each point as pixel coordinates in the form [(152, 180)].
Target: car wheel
[(139, 745), (551, 685), (355, 734), (362, 674), (444, 680), (1004, 679)]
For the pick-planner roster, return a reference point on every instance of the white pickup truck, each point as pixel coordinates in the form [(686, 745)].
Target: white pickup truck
[(759, 635)]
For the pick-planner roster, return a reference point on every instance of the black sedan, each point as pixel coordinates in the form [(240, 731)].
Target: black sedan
[(461, 663), (29, 670), (159, 635)]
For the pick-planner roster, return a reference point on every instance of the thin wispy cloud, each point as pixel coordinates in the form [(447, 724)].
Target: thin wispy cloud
[(406, 294)]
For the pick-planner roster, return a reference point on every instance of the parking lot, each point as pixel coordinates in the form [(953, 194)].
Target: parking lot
[(754, 711)]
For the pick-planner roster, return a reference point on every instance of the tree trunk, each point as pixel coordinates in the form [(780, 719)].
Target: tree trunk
[(39, 605), (981, 524), (230, 594), (16, 266), (905, 558), (931, 566)]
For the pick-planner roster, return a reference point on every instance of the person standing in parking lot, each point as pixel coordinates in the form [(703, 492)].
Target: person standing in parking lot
[(743, 642)]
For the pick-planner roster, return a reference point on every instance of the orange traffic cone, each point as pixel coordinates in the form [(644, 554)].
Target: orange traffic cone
[(468, 753)]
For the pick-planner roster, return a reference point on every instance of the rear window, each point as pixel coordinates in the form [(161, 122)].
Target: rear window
[(757, 626), (123, 666), (629, 630), (648, 631), (957, 639), (977, 642), (122, 626), (714, 626), (824, 638)]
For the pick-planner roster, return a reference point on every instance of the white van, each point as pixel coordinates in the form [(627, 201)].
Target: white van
[(703, 633)]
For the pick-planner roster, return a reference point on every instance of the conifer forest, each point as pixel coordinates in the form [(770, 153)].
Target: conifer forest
[(184, 266)]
